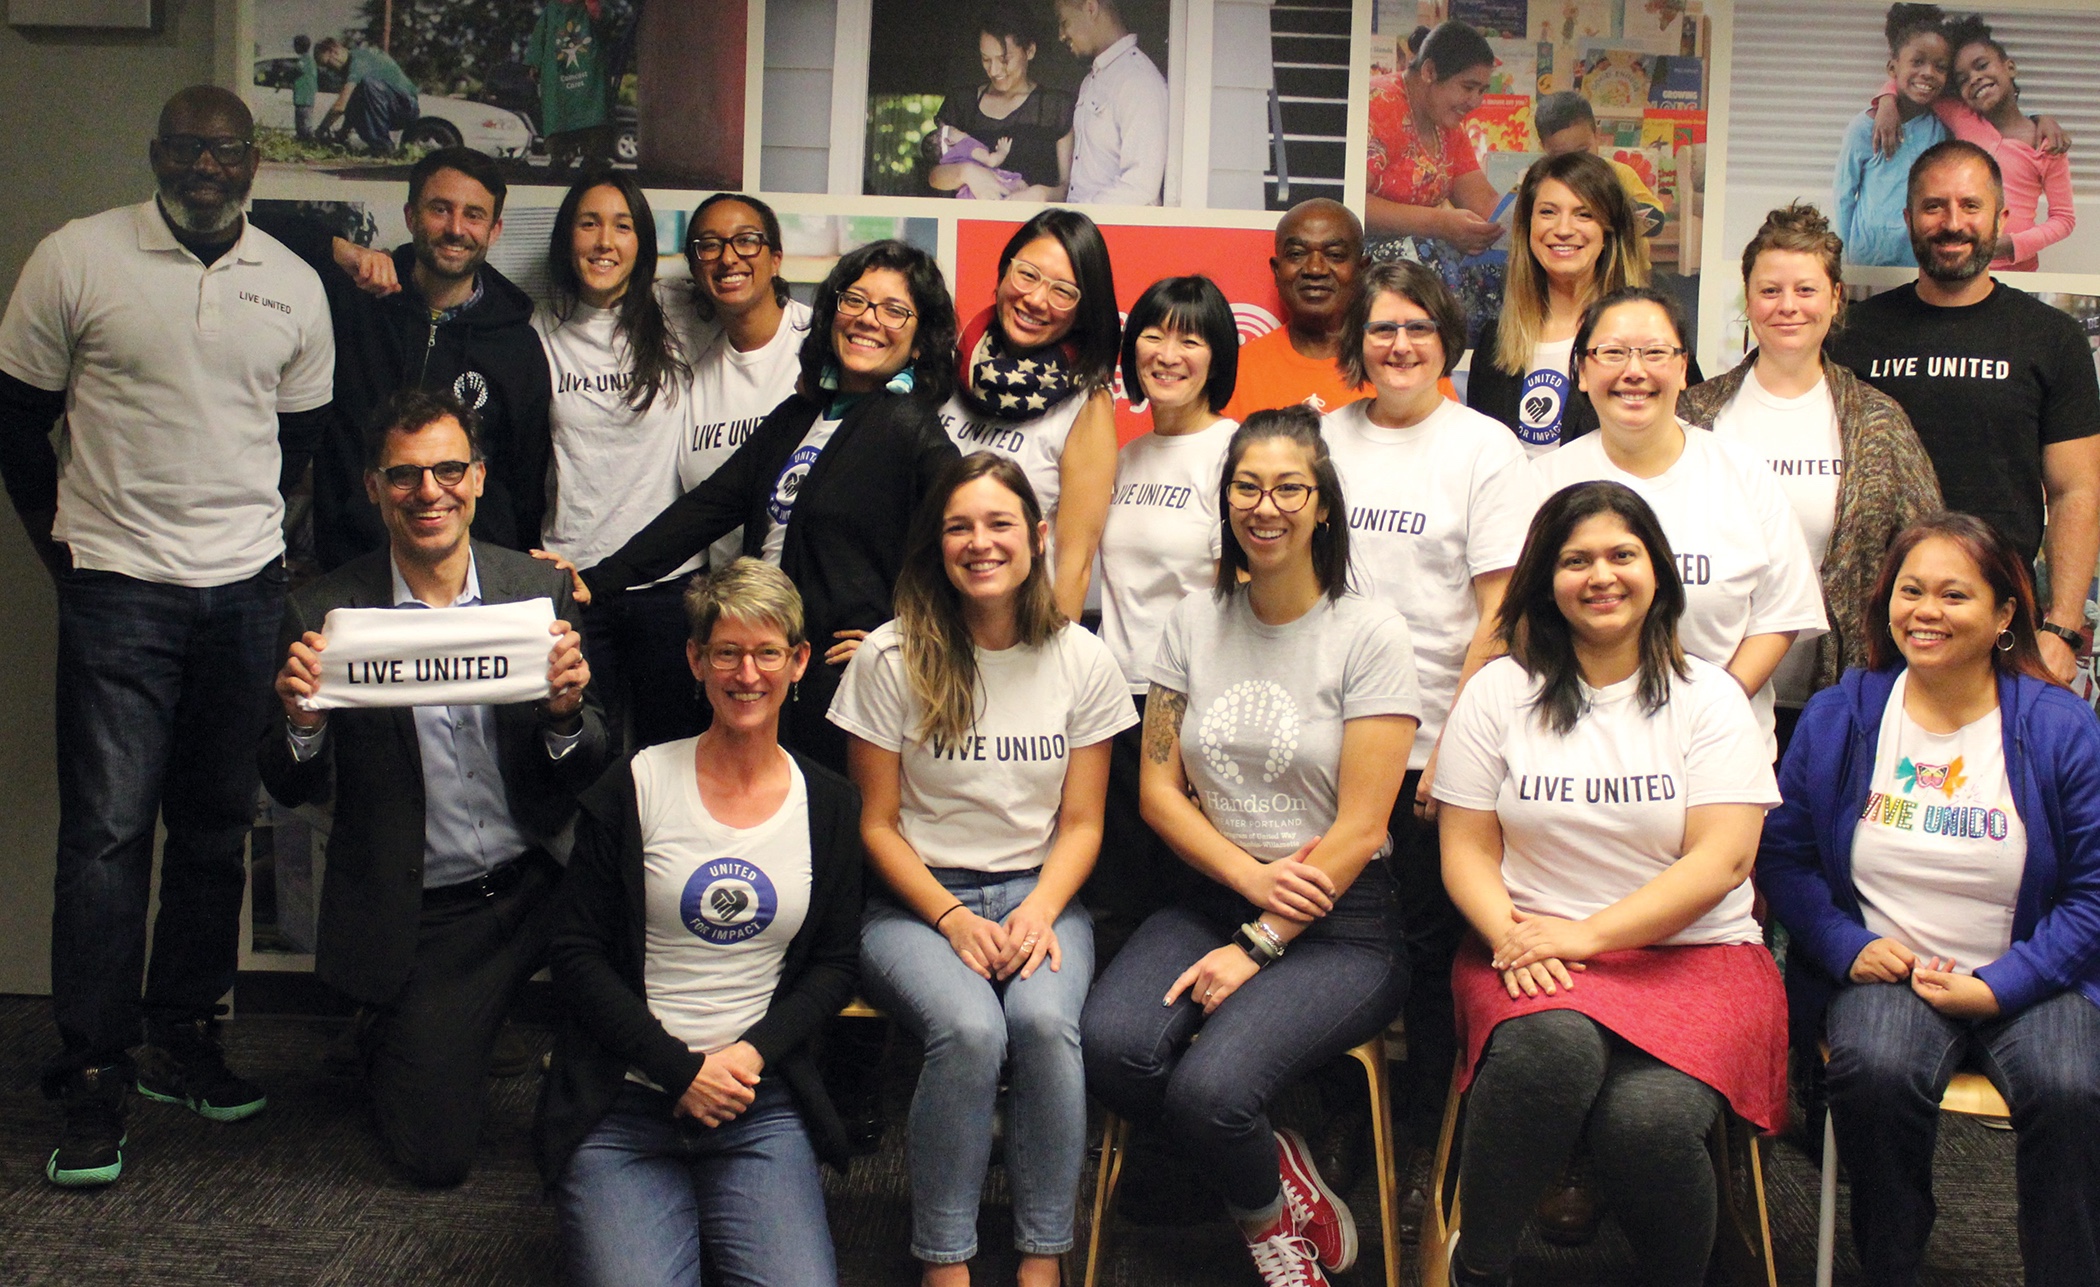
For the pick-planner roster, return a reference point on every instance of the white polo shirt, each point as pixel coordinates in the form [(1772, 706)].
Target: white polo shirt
[(174, 374), (1119, 129)]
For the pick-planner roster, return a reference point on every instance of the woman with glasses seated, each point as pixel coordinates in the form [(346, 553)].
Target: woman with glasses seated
[(1600, 799), (710, 927), (1277, 730), (1750, 583), (826, 485), (622, 402), (1032, 382), (980, 722)]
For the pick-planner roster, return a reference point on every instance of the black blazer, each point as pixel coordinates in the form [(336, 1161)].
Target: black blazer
[(372, 896), (599, 943), (844, 544), (1492, 391)]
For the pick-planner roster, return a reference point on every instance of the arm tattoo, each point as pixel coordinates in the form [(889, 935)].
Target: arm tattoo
[(1163, 711)]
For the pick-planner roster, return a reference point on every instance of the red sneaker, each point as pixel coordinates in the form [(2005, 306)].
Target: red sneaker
[(1313, 1210), (1284, 1259)]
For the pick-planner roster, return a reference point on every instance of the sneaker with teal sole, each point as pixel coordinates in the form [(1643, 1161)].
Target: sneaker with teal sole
[(182, 1063), (91, 1152)]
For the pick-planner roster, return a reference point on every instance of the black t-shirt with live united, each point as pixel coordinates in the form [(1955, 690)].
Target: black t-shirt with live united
[(1987, 385)]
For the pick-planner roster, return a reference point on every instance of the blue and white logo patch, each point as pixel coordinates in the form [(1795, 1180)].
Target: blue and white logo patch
[(728, 901), (1540, 406)]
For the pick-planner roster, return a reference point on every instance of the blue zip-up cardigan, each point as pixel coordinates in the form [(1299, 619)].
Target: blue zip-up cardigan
[(1804, 862)]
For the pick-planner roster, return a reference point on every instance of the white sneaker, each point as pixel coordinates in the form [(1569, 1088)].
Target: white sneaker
[(1284, 1259)]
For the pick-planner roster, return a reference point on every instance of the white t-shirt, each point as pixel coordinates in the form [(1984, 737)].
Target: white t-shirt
[(732, 393), (614, 469), (1431, 507), (788, 487), (1162, 539), (720, 903), (174, 375), (1035, 445), (1543, 400), (988, 803), (1745, 566), (1590, 817), (1798, 438), (1262, 739), (1940, 849)]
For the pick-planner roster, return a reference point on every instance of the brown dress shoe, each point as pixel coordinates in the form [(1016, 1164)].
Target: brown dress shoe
[(1567, 1215)]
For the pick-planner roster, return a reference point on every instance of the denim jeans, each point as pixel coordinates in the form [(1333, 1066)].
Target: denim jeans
[(635, 642), (646, 1193), (970, 1029), (376, 110), (1891, 1057), (1340, 982), (163, 691)]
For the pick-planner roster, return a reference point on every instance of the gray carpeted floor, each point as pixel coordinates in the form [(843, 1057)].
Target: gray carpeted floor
[(301, 1195)]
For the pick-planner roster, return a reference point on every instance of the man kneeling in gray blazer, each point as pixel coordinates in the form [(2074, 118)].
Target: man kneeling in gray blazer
[(436, 906)]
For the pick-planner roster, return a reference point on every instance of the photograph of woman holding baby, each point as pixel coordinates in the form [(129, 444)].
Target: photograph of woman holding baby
[(1010, 137)]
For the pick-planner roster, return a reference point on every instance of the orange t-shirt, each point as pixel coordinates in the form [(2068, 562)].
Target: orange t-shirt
[(1273, 374)]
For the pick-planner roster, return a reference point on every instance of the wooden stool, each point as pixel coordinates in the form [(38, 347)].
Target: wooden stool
[(1115, 1137), (1970, 1094), (1742, 1235)]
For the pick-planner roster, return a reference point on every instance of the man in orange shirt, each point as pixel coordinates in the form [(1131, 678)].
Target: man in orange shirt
[(1319, 251)]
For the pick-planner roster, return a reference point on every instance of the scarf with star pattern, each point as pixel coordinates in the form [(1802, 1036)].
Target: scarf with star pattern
[(1007, 386)]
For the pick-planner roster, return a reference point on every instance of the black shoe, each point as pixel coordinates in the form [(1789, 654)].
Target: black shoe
[(1414, 1198), (91, 1152), (183, 1064), (509, 1056)]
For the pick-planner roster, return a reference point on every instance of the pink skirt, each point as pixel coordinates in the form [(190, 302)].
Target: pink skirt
[(1714, 1013)]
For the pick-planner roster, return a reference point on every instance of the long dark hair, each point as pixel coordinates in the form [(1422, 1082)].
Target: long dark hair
[(933, 370), (658, 362), (1097, 327), (1330, 542), (1531, 626), (940, 659), (2002, 570)]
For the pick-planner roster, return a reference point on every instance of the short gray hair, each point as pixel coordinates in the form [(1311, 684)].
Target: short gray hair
[(749, 590)]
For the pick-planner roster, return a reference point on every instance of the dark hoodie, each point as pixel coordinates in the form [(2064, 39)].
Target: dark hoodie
[(486, 354)]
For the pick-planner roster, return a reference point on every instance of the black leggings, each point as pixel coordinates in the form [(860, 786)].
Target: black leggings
[(1550, 1077)]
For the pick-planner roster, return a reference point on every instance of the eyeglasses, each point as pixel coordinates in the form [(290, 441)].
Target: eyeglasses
[(892, 315), (184, 149), (406, 478), (1288, 497), (1417, 329), (767, 657), (746, 244), (1614, 356), (1027, 279)]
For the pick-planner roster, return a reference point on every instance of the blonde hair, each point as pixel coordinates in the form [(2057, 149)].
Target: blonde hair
[(1622, 262), (940, 660), (749, 590)]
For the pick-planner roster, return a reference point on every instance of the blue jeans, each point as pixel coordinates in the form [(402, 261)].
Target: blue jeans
[(1891, 1057), (1340, 982), (969, 1028), (163, 692), (645, 1192), (376, 109)]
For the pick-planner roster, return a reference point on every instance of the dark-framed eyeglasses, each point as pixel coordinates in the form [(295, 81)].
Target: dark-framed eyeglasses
[(746, 244), (407, 478), (1614, 356), (184, 149), (767, 657), (1416, 329), (1287, 497), (892, 315)]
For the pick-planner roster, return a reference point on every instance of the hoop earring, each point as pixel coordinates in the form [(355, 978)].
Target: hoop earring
[(2006, 640)]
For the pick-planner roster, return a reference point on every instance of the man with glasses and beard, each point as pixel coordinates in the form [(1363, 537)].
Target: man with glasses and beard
[(437, 906), (431, 315), (188, 355), (1999, 385)]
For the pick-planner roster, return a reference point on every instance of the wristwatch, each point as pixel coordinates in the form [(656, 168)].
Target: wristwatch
[(2072, 637)]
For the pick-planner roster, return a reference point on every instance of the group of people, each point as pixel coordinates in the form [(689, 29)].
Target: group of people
[(1466, 713)]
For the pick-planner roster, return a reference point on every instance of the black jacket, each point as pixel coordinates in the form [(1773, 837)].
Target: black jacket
[(488, 357), (597, 957), (372, 897), (845, 539), (1492, 391)]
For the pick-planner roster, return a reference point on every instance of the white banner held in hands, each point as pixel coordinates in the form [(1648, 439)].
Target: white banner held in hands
[(486, 655)]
